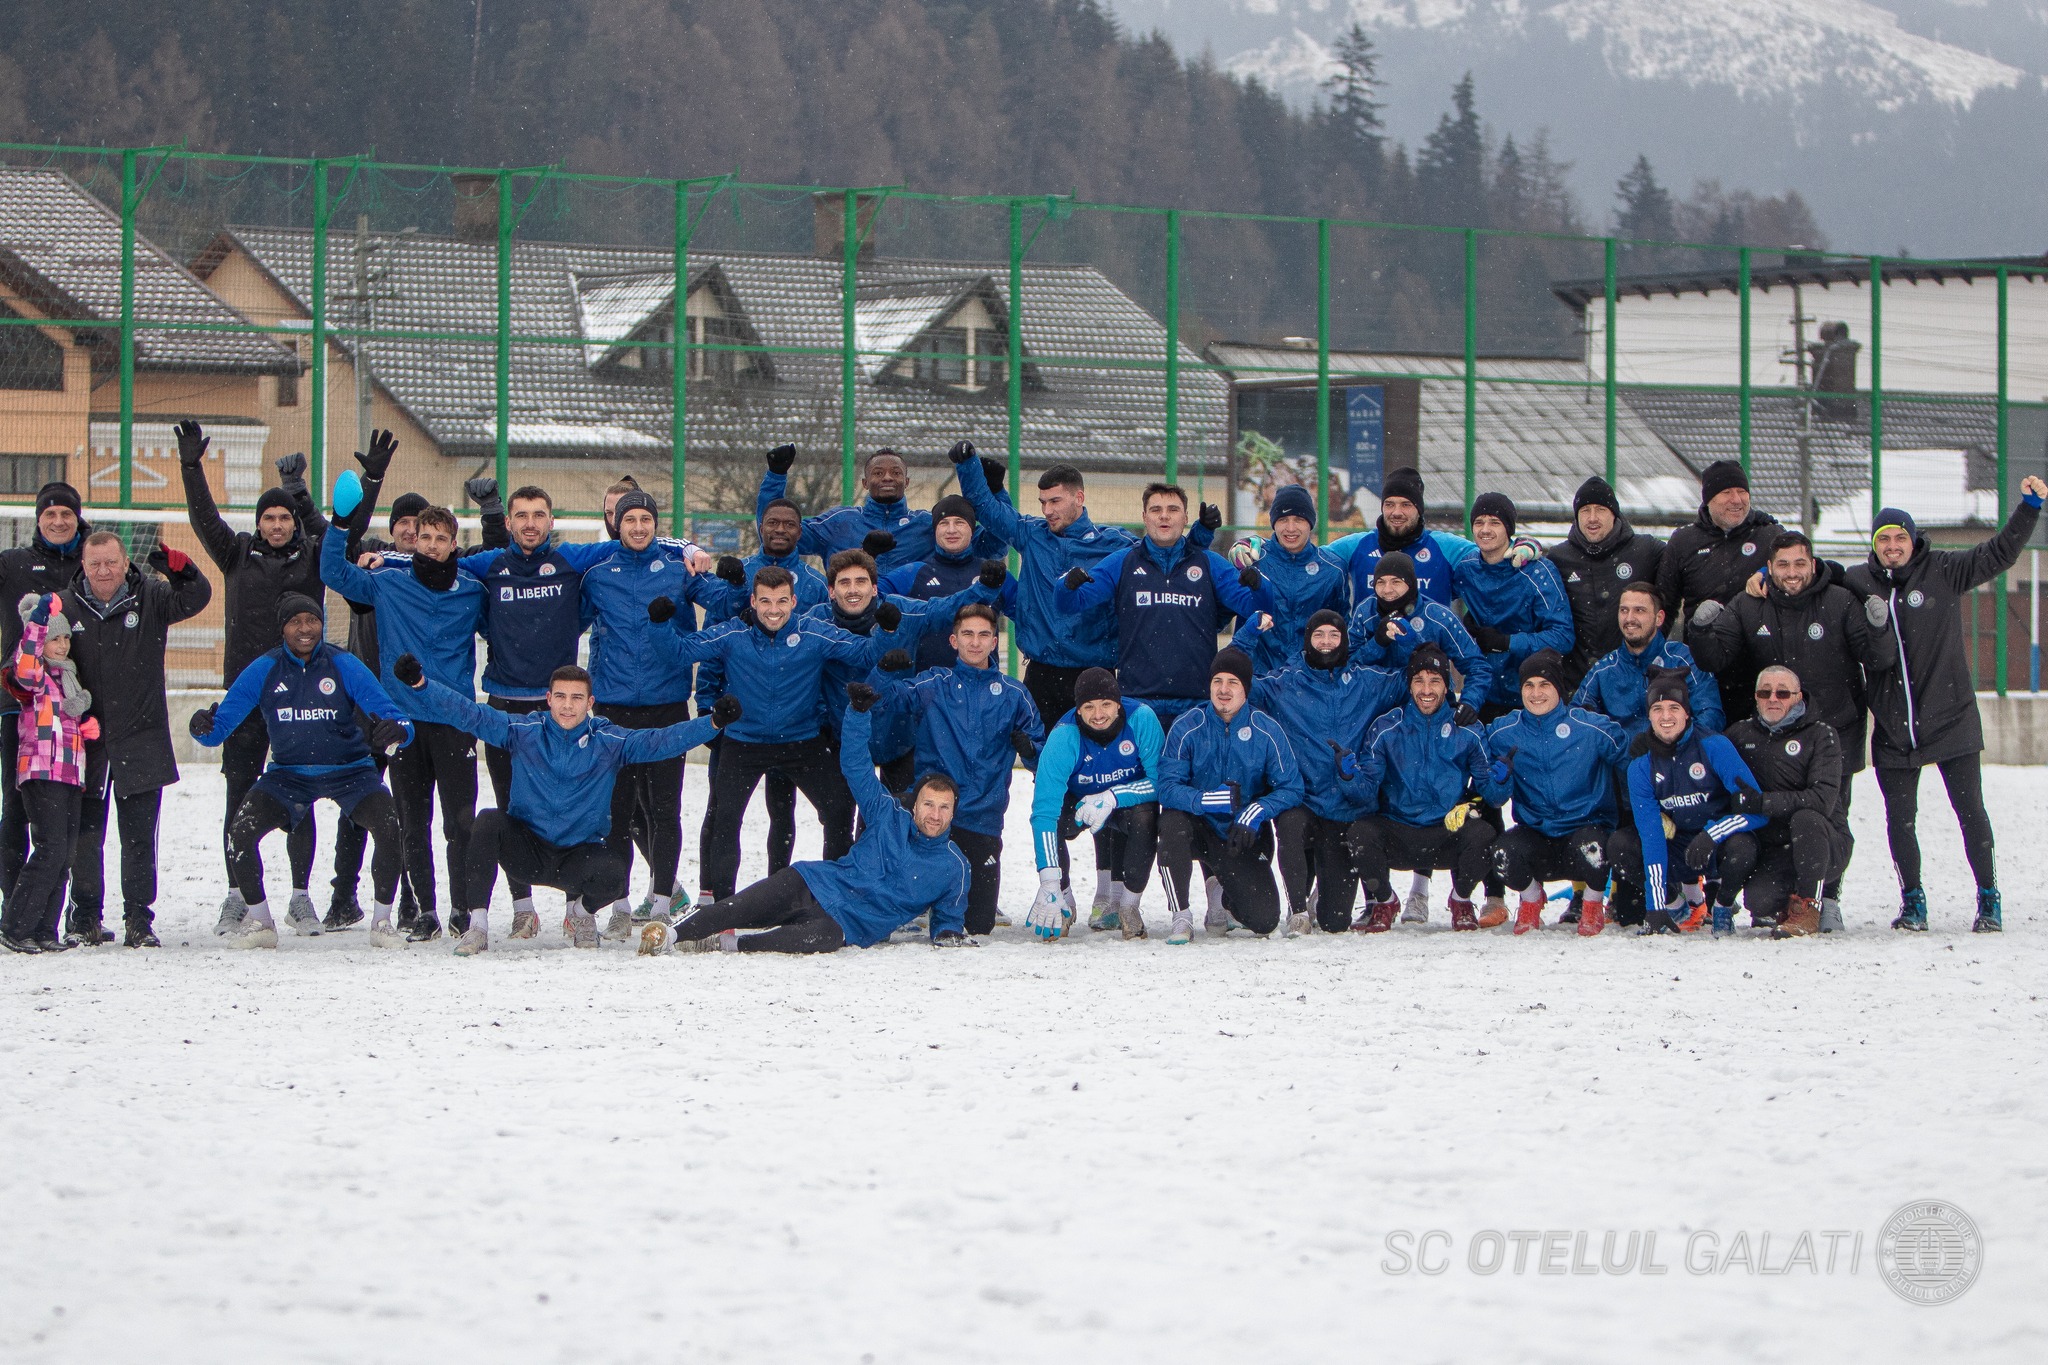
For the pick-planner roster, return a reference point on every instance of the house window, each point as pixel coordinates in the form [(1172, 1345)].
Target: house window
[(961, 357), (20, 477), (28, 358), (288, 390)]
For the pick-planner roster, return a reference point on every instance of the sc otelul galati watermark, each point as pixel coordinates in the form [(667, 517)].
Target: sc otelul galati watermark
[(1927, 1252)]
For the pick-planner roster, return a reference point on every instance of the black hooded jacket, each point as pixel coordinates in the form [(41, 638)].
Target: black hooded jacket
[(1801, 767), (254, 573), (119, 648), (1594, 573)]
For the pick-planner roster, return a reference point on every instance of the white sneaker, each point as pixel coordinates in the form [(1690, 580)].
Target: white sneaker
[(1183, 930), (657, 938), (301, 918), (1217, 921), (1003, 921), (1130, 920), (474, 940), (525, 924), (384, 934), (582, 927), (233, 911), (1415, 910), (620, 926), (254, 934), (1299, 923), (726, 940)]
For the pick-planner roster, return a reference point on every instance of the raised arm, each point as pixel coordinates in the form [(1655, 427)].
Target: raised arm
[(669, 741), (1972, 568), (1717, 643), (992, 514), (443, 706), (218, 538), (344, 577), (877, 807), (365, 691), (185, 590), (1554, 629), (1706, 700), (1231, 590)]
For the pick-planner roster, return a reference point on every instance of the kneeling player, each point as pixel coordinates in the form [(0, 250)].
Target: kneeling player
[(564, 765), (904, 864), (309, 692), (1562, 763), (1797, 759), (1427, 772), (1096, 773)]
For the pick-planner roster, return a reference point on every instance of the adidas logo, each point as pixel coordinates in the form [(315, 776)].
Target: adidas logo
[(1763, 629), (282, 687), (1574, 578)]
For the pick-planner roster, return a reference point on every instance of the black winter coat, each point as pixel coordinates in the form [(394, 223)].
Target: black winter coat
[(1798, 768), (1702, 561), (1926, 709), (1594, 574), (1821, 634), (254, 573), (119, 649), (37, 567)]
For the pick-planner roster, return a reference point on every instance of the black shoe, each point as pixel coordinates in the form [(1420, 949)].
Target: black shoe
[(458, 922), (425, 928), (87, 933), (342, 913), (140, 935), (26, 946), (46, 944), (1658, 922)]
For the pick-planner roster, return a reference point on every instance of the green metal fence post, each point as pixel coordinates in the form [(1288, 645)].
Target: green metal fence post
[(2004, 279), (1471, 371), (503, 463), (1322, 379), (1173, 345), (317, 441), (128, 209), (1612, 393), (1742, 285), (1014, 374), (679, 365), (1876, 387), (849, 248)]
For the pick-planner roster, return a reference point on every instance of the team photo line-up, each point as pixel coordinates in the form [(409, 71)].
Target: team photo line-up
[(1667, 728)]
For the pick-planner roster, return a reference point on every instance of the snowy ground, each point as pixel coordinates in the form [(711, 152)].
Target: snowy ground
[(1090, 1151)]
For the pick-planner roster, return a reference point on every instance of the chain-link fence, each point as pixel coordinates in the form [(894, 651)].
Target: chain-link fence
[(567, 330)]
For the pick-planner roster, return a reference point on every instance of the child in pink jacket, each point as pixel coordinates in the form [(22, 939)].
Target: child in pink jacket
[(50, 768)]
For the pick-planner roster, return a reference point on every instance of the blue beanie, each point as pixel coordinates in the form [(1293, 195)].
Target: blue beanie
[(1892, 516), (1292, 500)]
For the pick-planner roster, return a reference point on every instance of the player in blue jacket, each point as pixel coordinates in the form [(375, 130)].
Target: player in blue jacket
[(886, 478), (1686, 830), (1171, 599), (1511, 611), (1301, 578), (308, 692), (1618, 685), (1562, 765), (1324, 702), (903, 865), (1393, 620), (1427, 774), (433, 610), (1226, 772), (1400, 528), (971, 721), (1098, 772), (953, 567), (563, 763)]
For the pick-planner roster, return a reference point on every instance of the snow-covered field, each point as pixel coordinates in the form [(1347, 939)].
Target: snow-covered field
[(1096, 1150)]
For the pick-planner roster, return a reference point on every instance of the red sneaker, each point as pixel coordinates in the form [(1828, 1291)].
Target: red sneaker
[(1592, 917), (1378, 917), (1462, 916), (1528, 915)]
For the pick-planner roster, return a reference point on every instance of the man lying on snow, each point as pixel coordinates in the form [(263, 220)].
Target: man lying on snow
[(904, 864)]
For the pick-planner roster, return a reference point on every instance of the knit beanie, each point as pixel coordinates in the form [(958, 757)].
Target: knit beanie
[(1292, 500), (1396, 565), (57, 493), (1495, 505), (292, 603), (1719, 477), (273, 497), (1429, 657), (1670, 684), (1892, 517), (1096, 684), (1596, 492), (953, 505), (1234, 662), (406, 505), (632, 500), (1546, 664), (1403, 483)]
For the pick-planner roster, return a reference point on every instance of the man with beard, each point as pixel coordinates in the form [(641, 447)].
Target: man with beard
[(1710, 560), (1618, 685), (886, 478), (1400, 528), (1601, 555), (1099, 772)]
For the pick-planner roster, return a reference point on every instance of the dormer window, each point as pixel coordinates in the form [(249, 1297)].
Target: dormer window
[(948, 334), (958, 357), (630, 325)]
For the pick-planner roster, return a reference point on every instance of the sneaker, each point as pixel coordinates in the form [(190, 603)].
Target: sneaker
[(699, 945), (1416, 909), (343, 912), (525, 924), (1572, 912), (1990, 912), (657, 938), (1216, 921), (474, 940), (136, 934), (728, 940), (232, 912), (300, 916), (1130, 921), (1802, 917), (1912, 911), (582, 927), (1462, 918), (1299, 923), (1528, 915), (385, 934), (649, 907), (87, 934), (1724, 920), (1003, 921), (1183, 930), (426, 927), (25, 946), (619, 927), (1694, 917), (1592, 918), (254, 935), (1102, 915), (458, 923), (1378, 917), (1831, 917), (47, 944), (1495, 913)]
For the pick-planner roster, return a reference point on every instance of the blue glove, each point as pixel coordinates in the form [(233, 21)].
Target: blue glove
[(39, 615), (348, 493), (1217, 801), (1499, 771), (2032, 500), (1347, 762)]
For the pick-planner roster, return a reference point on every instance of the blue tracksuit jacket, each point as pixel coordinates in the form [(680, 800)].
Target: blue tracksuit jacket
[(437, 628), (308, 707), (892, 733), (1424, 621), (633, 661), (1562, 766), (943, 575), (777, 675), (1170, 603), (1435, 554), (810, 590), (1045, 633), (844, 528), (1417, 767), (1692, 787), (1204, 754), (1618, 686), (1527, 604), (895, 872), (1072, 763), (964, 717), (1300, 585), (561, 779), (1317, 705)]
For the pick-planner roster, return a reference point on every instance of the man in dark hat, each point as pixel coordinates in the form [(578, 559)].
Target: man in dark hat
[(1302, 577), (1711, 560), (951, 567), (1401, 527), (1599, 556)]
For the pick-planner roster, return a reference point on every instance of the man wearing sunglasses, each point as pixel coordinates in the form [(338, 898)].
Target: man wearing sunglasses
[(1796, 758)]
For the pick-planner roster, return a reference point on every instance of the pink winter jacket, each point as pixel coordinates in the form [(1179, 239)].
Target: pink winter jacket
[(52, 746)]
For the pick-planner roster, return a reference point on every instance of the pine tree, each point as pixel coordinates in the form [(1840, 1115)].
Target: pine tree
[(1450, 171), (1643, 208), (1353, 111)]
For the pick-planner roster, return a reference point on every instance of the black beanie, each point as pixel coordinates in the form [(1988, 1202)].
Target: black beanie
[(292, 603), (1096, 684), (57, 493), (1325, 617), (1892, 516), (274, 497), (1596, 492), (1670, 684), (1719, 477), (1326, 658), (1429, 657), (407, 505), (1396, 565), (1403, 483), (1235, 662), (1495, 505), (634, 499), (953, 505), (1546, 664)]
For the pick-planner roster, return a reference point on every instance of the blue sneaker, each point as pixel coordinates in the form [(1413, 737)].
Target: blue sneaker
[(1990, 912), (1724, 920), (1913, 911)]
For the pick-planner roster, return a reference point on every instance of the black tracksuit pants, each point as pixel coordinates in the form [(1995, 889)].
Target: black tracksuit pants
[(13, 811), (440, 758), (351, 841), (1380, 844), (649, 797), (1734, 859), (1248, 889), (1525, 854), (592, 873), (1052, 691), (782, 906), (1125, 845), (812, 764), (498, 763), (376, 814), (36, 901), (1313, 855), (984, 854), (242, 755), (781, 802), (1796, 856), (1964, 778), (137, 814)]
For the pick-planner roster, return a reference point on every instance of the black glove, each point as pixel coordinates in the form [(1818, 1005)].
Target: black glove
[(661, 609), (895, 661), (483, 491), (1236, 797), (192, 443), (888, 616), (1640, 745), (1700, 851), (1211, 516), (291, 472), (1488, 639), (386, 734), (383, 445), (1748, 802), (1243, 839), (408, 671), (1075, 578), (877, 543), (860, 696), (995, 473), (961, 453), (1026, 747), (201, 724), (781, 458), (993, 572), (725, 710), (1388, 630), (1465, 715), (729, 569), (1248, 578)]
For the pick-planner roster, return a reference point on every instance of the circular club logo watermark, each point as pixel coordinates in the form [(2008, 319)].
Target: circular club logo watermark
[(1929, 1252)]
